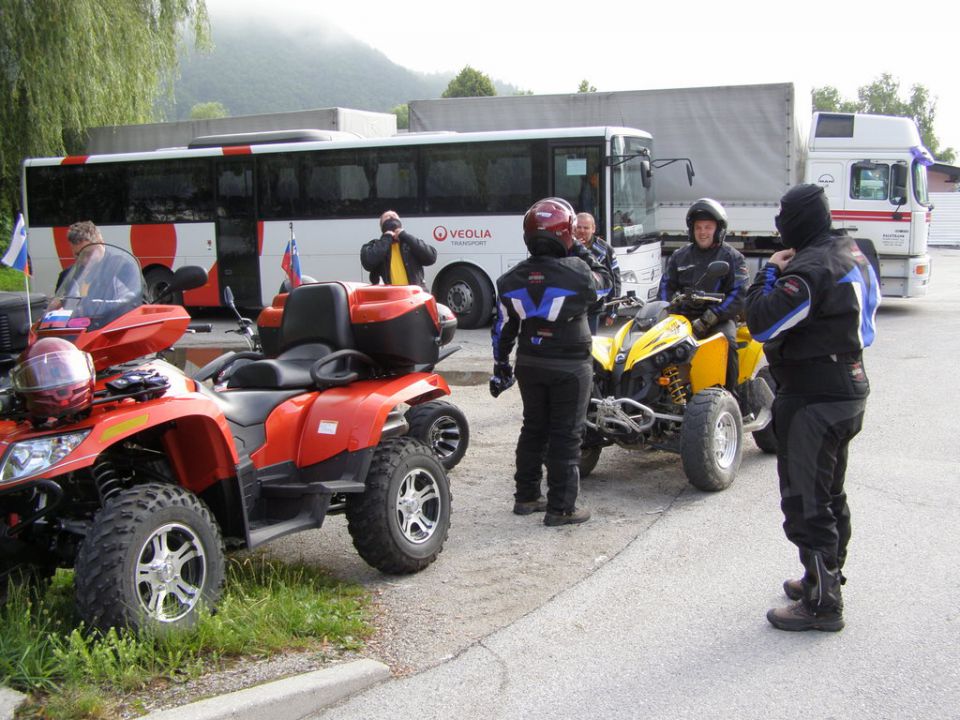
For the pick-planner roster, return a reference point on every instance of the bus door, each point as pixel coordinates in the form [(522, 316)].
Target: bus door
[(238, 253)]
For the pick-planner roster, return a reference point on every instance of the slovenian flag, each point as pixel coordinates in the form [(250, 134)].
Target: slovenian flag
[(16, 255), (291, 262)]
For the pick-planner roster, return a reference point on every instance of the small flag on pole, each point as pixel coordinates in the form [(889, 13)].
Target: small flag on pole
[(16, 255), (291, 261)]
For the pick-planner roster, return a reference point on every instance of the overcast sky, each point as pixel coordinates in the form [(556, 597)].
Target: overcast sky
[(618, 45)]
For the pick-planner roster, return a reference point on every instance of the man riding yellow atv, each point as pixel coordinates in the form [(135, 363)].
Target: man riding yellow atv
[(657, 386)]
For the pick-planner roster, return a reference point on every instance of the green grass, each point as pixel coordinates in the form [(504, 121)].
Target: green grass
[(267, 608), (11, 279)]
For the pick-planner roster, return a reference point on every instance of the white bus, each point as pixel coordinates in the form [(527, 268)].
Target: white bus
[(226, 203)]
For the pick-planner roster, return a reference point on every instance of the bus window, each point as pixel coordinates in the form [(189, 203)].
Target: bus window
[(279, 184), (576, 177), (169, 191), (61, 195), (481, 178), (396, 181)]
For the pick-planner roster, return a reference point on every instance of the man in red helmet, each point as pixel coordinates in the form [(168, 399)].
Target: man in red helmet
[(542, 307)]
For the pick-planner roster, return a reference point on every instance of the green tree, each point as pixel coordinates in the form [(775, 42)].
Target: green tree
[(68, 65), (585, 87), (403, 116), (470, 83), (882, 97), (209, 111)]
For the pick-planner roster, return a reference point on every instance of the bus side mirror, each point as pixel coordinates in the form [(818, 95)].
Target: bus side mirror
[(646, 173)]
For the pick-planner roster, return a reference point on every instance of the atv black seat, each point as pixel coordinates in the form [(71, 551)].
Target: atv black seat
[(315, 323)]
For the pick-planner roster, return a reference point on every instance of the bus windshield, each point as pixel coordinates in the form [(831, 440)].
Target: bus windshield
[(632, 203)]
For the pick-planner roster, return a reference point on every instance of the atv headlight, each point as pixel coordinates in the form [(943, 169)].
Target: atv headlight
[(28, 457)]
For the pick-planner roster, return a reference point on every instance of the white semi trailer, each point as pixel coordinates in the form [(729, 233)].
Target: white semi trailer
[(748, 145)]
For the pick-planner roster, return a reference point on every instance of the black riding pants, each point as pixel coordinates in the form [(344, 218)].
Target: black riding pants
[(817, 412), (555, 397)]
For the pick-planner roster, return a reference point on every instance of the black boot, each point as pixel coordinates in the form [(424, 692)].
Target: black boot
[(821, 604)]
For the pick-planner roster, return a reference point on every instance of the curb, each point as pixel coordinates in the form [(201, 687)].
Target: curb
[(10, 700), (288, 699)]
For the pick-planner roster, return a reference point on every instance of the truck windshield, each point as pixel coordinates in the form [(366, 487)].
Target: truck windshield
[(632, 204), (920, 183)]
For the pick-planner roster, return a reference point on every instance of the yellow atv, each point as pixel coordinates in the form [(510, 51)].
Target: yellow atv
[(657, 386)]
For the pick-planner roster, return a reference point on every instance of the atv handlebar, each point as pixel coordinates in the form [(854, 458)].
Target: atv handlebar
[(695, 300)]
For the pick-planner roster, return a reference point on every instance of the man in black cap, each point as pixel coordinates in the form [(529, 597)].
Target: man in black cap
[(813, 306)]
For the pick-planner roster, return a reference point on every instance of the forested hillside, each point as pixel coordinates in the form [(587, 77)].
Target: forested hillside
[(255, 68)]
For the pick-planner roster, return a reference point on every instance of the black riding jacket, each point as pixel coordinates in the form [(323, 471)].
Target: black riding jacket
[(824, 304), (375, 257), (544, 300), (687, 267)]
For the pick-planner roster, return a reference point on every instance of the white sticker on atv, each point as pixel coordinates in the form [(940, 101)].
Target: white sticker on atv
[(327, 427)]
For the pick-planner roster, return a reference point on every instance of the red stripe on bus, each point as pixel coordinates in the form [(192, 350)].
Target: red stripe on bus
[(238, 150), (74, 160), (208, 295), (154, 244), (260, 238), (64, 253)]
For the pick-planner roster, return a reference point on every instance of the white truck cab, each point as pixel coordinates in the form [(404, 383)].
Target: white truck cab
[(873, 169)]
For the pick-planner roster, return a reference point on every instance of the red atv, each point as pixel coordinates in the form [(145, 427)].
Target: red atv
[(137, 475)]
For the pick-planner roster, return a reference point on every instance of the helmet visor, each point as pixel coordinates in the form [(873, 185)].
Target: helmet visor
[(52, 370)]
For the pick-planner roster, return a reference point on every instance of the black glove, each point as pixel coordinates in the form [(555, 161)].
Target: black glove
[(699, 328), (502, 378), (709, 318)]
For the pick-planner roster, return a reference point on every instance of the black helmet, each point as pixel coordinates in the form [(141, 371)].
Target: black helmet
[(707, 209)]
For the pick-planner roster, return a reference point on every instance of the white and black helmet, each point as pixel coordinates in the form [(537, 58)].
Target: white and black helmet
[(708, 209)]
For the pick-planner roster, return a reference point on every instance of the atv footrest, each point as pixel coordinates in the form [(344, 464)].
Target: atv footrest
[(311, 516), (294, 489)]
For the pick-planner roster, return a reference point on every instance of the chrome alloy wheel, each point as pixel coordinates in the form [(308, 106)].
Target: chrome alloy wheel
[(725, 440), (170, 572), (418, 506)]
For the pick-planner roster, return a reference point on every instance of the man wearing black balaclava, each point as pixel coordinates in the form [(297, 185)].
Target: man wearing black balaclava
[(813, 306)]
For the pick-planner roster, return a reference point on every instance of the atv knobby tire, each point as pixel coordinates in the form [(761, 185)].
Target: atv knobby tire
[(589, 457), (153, 557), (711, 439), (399, 524), (443, 428), (766, 439)]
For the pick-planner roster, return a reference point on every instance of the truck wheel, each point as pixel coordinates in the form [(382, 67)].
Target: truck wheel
[(589, 457), (157, 280), (711, 439), (399, 524), (766, 439), (467, 293), (153, 557), (443, 428)]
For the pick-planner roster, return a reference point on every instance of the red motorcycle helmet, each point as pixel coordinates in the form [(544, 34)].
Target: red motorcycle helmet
[(54, 378), (550, 219)]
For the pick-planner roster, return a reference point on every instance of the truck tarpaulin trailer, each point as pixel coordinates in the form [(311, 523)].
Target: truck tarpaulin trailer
[(748, 145)]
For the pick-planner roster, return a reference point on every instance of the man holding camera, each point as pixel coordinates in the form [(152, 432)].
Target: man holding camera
[(396, 257)]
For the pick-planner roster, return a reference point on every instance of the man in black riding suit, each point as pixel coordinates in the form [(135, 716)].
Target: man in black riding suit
[(542, 306), (686, 270), (813, 306)]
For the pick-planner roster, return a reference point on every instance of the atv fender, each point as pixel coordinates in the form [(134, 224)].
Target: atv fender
[(196, 432), (352, 418)]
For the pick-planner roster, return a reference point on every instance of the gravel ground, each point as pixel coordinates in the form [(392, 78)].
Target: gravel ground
[(495, 567)]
